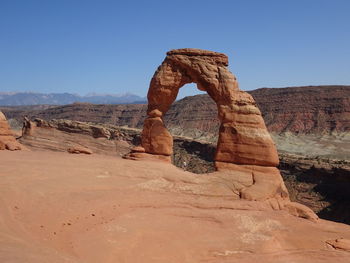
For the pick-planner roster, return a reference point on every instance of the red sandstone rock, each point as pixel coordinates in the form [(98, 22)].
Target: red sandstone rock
[(138, 149), (13, 146), (7, 139), (267, 184), (300, 210), (28, 127), (79, 149), (340, 244), (243, 137), (156, 138), (244, 143), (2, 145), (148, 156), (67, 208)]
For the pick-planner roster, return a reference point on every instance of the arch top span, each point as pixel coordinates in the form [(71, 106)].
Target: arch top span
[(243, 137), (218, 58)]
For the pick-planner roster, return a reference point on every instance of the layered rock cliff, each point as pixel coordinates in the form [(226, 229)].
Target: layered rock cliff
[(309, 109)]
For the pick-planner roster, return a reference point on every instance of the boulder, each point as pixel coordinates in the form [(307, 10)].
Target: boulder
[(79, 149), (7, 139)]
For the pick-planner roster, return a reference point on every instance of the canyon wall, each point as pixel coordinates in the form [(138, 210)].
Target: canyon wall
[(309, 109)]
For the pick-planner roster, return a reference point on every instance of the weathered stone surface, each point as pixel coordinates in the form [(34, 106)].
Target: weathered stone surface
[(340, 244), (2, 145), (147, 156), (79, 149), (2, 117), (243, 137), (267, 184), (13, 146), (300, 210), (156, 138), (59, 135), (138, 149), (244, 143), (28, 127), (7, 139), (57, 207)]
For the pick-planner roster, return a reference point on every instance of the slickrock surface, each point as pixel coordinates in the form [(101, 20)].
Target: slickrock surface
[(7, 139), (321, 184), (75, 136), (57, 207)]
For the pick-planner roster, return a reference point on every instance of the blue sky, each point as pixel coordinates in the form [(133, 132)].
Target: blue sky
[(115, 46)]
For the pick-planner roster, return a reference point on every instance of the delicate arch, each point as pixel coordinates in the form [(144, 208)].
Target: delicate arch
[(243, 137)]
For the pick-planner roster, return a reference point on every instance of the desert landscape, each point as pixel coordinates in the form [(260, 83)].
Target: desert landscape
[(120, 187), (174, 131)]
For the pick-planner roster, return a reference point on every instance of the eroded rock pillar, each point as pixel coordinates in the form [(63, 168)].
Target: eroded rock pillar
[(163, 91), (243, 136)]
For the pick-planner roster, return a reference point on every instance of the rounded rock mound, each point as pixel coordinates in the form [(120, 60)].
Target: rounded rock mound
[(7, 139)]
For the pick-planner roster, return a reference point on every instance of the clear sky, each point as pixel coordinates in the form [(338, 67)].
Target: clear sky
[(115, 46)]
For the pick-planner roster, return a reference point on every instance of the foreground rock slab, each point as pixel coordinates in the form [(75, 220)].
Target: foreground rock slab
[(57, 207)]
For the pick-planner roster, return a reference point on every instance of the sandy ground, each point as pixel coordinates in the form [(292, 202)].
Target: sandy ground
[(59, 207)]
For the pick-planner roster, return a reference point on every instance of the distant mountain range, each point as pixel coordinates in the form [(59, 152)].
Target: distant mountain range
[(31, 98)]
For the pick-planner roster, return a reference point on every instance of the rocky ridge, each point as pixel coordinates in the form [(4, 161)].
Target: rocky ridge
[(61, 135)]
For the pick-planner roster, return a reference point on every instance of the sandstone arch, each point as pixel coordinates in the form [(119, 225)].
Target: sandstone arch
[(243, 137), (246, 155)]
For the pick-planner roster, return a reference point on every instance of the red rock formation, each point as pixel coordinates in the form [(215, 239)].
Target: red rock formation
[(243, 137), (57, 207), (7, 140), (244, 145), (79, 149)]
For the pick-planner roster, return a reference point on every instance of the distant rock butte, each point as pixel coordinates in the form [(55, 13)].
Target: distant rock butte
[(299, 110), (7, 139)]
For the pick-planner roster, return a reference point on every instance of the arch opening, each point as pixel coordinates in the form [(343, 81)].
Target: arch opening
[(192, 121), (189, 89)]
